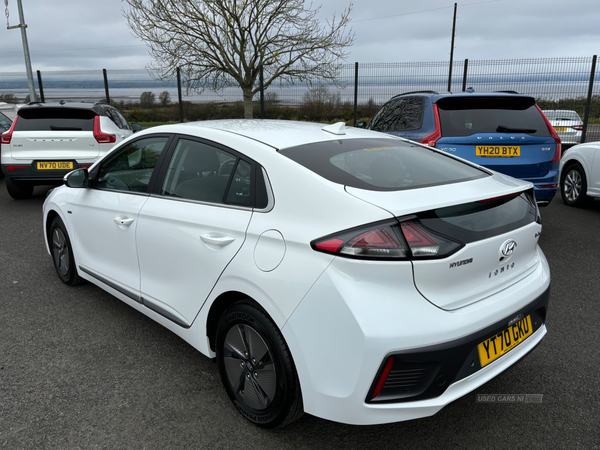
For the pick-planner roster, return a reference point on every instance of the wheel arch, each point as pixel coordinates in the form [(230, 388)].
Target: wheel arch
[(574, 160), (218, 307), (52, 214)]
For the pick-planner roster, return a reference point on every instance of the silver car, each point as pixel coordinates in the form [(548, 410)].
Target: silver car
[(567, 124)]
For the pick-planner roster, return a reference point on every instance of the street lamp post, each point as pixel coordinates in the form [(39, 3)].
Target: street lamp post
[(22, 26)]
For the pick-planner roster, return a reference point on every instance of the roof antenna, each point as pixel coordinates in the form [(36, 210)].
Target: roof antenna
[(338, 128)]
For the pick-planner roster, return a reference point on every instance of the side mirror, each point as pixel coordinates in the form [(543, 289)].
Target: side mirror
[(136, 127), (361, 125), (77, 178)]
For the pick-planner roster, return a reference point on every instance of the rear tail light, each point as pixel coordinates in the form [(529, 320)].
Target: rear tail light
[(433, 137), (389, 240), (6, 137), (554, 135), (101, 137), (577, 127)]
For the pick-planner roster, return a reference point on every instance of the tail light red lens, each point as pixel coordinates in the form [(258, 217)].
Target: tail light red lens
[(433, 137), (558, 152), (6, 137), (577, 127), (388, 240), (101, 137)]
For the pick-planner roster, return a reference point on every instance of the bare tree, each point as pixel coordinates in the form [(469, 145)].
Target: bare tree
[(164, 98), (217, 43)]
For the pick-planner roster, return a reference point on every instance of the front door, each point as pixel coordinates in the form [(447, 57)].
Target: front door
[(105, 215)]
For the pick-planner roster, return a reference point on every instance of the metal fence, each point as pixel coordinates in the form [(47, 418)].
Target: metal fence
[(555, 82)]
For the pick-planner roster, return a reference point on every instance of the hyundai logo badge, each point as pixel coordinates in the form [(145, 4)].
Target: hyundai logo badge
[(507, 249)]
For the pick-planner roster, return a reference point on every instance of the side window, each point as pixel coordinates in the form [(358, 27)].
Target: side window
[(403, 114), (5, 122), (131, 167), (202, 172), (239, 191), (117, 118)]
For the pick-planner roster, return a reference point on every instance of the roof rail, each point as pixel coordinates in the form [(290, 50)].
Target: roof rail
[(415, 92), (508, 92)]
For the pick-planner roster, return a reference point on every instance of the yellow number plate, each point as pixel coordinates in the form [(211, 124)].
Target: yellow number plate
[(499, 151), (55, 165), (560, 128), (505, 341)]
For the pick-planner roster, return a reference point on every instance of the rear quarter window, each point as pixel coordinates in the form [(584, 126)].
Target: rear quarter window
[(381, 164), (460, 116), (402, 114), (55, 119)]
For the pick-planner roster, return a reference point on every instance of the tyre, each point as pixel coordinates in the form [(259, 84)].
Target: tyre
[(62, 253), (19, 190), (256, 367), (573, 186)]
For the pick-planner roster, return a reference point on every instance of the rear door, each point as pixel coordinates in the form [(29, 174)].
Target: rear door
[(506, 134), (193, 228)]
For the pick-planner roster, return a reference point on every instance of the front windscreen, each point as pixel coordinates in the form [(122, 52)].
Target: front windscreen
[(381, 164)]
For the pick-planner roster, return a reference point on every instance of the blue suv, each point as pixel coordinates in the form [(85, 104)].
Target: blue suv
[(504, 131)]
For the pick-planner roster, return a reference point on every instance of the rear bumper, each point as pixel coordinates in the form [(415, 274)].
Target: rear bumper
[(30, 173), (546, 186), (356, 326)]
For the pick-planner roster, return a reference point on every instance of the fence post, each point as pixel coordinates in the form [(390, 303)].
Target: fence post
[(179, 95), (262, 92), (39, 75), (452, 50), (465, 75), (589, 100), (106, 86), (355, 92)]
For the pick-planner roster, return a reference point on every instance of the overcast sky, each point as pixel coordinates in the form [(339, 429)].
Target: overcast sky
[(93, 34)]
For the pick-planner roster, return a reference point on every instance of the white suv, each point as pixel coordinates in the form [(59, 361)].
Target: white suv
[(47, 140)]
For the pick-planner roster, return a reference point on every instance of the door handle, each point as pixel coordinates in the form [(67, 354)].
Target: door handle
[(219, 240), (123, 222)]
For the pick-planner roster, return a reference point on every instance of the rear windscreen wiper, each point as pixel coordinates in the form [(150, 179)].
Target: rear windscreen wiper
[(55, 128), (503, 129)]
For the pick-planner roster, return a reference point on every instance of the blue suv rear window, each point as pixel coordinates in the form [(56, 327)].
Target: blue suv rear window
[(461, 116)]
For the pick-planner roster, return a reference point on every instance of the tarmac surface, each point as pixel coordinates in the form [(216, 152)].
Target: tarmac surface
[(80, 369)]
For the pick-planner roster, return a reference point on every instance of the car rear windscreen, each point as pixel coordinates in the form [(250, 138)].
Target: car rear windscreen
[(381, 164), (55, 119), (463, 116)]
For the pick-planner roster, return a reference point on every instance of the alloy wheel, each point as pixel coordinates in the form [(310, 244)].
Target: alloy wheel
[(249, 367), (572, 186), (60, 252)]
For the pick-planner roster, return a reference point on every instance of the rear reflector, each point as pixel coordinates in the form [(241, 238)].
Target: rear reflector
[(383, 377), (16, 167)]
